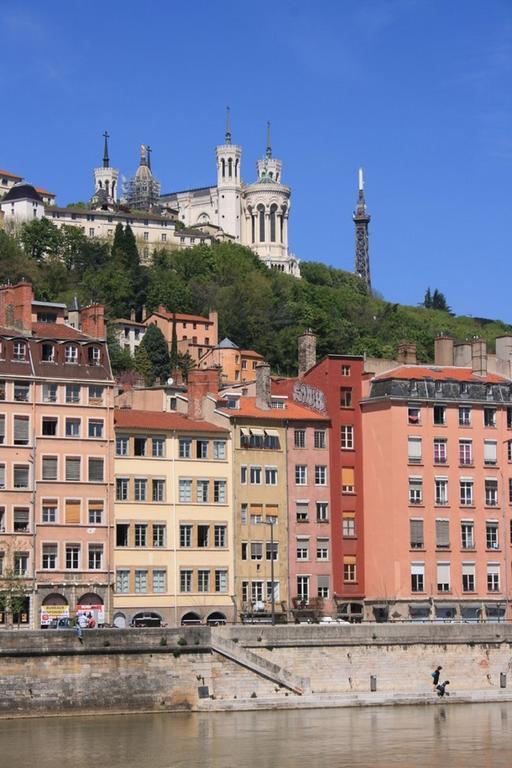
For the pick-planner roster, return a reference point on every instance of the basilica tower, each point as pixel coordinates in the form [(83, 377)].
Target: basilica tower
[(105, 179), (361, 220), (228, 183)]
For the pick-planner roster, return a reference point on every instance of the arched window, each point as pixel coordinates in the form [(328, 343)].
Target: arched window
[(273, 209), (261, 214), (113, 188), (253, 227), (281, 219), (100, 184), (190, 618), (223, 168), (230, 167), (236, 168), (106, 186)]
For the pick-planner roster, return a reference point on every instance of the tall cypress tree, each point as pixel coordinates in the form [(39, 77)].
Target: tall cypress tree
[(174, 345), (155, 345)]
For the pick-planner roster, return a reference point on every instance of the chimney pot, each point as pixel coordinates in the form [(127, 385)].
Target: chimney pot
[(263, 399), (307, 351)]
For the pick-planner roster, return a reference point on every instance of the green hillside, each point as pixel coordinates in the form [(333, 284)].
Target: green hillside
[(258, 308)]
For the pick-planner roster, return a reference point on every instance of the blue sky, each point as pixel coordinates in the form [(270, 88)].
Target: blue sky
[(418, 92)]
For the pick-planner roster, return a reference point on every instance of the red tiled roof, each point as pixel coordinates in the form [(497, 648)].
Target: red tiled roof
[(250, 353), (10, 175), (125, 321), (291, 412), (127, 418), (437, 373), (57, 331), (181, 317), (44, 192)]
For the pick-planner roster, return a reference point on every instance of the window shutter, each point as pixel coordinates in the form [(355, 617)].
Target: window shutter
[(490, 452), (323, 581), (442, 533), (443, 573), (417, 533), (2, 428), (72, 512), (20, 429), (2, 475), (417, 569), (96, 470), (349, 560), (414, 448), (347, 476), (468, 569), (72, 469), (49, 467)]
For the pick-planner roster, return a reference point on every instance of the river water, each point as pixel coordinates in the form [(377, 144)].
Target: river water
[(444, 736)]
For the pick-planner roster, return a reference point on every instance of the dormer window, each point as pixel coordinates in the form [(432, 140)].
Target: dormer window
[(94, 356), (48, 353), (19, 350), (71, 354)]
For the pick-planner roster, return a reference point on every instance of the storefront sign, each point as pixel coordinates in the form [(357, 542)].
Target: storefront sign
[(49, 612)]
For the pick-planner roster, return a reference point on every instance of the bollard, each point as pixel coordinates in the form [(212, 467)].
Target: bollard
[(373, 682), (503, 680)]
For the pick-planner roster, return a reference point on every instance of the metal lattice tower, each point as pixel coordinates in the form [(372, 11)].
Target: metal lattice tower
[(361, 220)]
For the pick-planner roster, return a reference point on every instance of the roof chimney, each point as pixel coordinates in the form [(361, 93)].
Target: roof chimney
[(263, 386), (200, 383), (462, 354), (479, 357), (406, 353), (307, 351), (92, 321), (443, 350), (16, 306)]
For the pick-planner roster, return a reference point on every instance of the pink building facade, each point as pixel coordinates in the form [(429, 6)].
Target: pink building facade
[(438, 494)]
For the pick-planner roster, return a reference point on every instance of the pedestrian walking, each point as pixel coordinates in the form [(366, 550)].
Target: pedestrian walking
[(435, 675)]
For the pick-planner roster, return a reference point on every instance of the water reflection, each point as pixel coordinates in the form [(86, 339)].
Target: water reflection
[(455, 736)]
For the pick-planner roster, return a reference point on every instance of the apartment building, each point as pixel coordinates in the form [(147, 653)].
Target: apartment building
[(438, 492), (56, 390), (173, 549)]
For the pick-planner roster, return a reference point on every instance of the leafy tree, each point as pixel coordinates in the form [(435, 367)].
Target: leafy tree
[(14, 264), (155, 345), (13, 595), (143, 365), (41, 238), (120, 359)]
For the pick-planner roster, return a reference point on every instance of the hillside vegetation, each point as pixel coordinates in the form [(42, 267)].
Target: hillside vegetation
[(258, 308)]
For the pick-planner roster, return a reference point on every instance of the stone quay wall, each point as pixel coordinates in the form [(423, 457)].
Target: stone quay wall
[(241, 667)]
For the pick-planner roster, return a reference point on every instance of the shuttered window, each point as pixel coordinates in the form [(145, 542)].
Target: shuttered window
[(417, 538), (443, 577), (414, 449), (442, 533), (490, 452), (2, 428), (72, 469), (347, 480), (72, 511), (2, 475), (96, 470), (49, 468), (21, 430)]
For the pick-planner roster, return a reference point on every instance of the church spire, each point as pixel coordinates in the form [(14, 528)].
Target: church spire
[(268, 152), (228, 126), (106, 161), (361, 220)]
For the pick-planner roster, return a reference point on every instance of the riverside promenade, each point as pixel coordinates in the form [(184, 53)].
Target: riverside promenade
[(250, 667)]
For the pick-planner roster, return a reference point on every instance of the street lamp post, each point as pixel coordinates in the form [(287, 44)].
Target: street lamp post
[(271, 522)]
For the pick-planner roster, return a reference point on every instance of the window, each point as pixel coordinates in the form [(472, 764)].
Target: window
[(348, 525), (159, 580), (466, 493), (121, 489), (141, 581), (442, 534), (491, 534), (464, 416), (73, 427), (439, 414), (322, 549), (272, 440), (49, 393), (490, 452), (443, 577), (467, 534), (255, 475), (2, 390), (493, 577), (95, 394), (417, 577), (465, 452), (219, 491), (72, 511), (441, 490), (140, 486), (243, 475), (301, 474), (256, 550), (2, 428), (185, 491), (49, 468), (347, 480), (49, 426), (49, 559), (349, 569), (220, 536), (122, 530), (186, 581), (141, 535), (95, 557), (21, 392), (185, 448), (202, 449), (416, 534), (203, 581), (413, 415), (202, 491), (95, 513), (71, 354), (72, 393), (21, 563), (219, 449), (323, 587), (2, 476), (320, 474), (203, 535), (185, 535), (440, 453), (345, 370), (49, 511), (139, 445), (414, 450), (20, 476), (319, 438), (21, 516), (302, 511), (157, 447), (347, 437), (271, 550), (491, 492), (221, 580), (303, 589), (158, 490), (121, 445), (509, 450), (96, 428), (271, 475), (122, 581), (299, 438), (346, 397), (243, 514), (94, 356), (21, 430), (19, 350), (72, 557), (468, 577), (415, 490), (322, 511), (489, 417), (96, 470), (302, 548)]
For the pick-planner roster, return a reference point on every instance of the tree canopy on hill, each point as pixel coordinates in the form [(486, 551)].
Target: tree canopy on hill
[(258, 308)]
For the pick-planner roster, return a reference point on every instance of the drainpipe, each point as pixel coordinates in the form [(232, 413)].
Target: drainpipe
[(110, 499), (234, 517), (34, 524), (287, 518), (175, 548)]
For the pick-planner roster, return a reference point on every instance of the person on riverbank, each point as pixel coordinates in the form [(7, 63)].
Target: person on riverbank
[(441, 689), (435, 675)]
